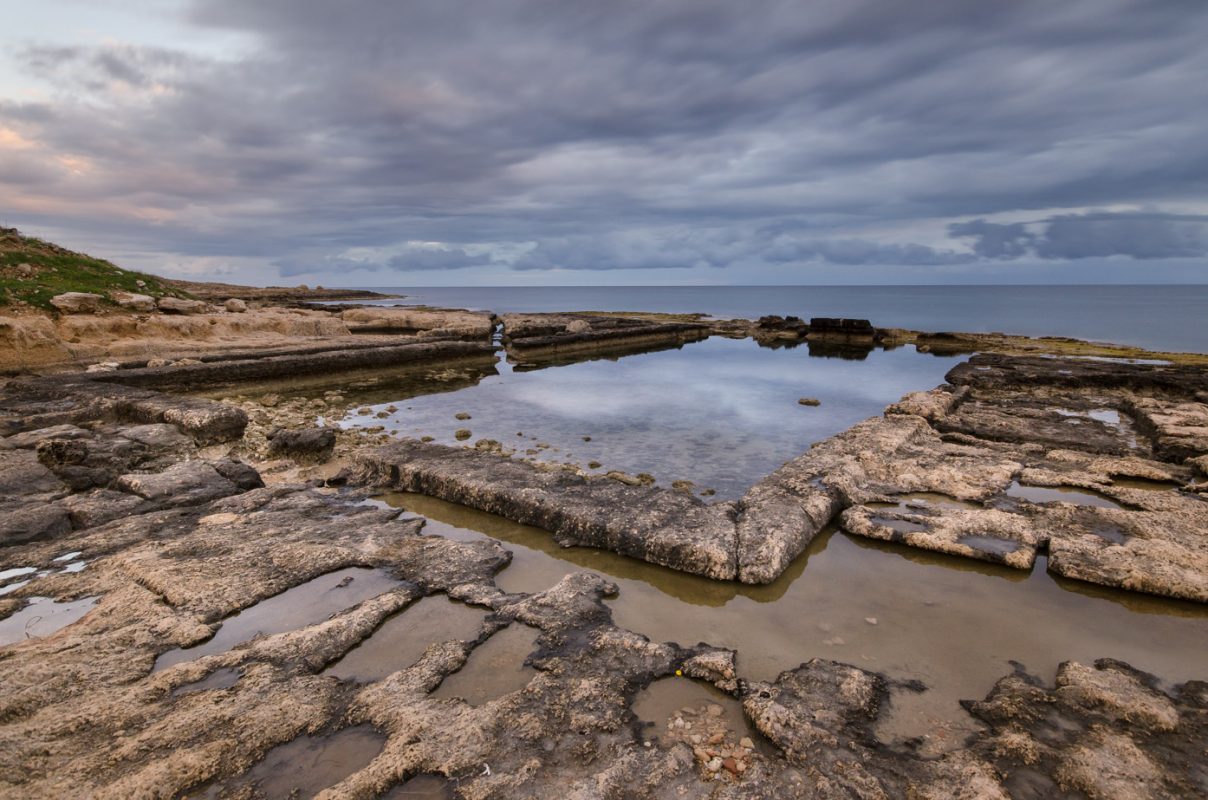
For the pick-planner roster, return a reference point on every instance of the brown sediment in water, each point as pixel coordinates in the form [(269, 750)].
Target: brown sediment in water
[(495, 668), (1060, 494), (299, 606), (310, 764), (924, 629), (402, 639)]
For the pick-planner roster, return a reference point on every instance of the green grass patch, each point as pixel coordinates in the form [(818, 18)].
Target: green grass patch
[(32, 271)]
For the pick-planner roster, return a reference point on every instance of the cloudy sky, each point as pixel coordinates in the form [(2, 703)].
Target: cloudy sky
[(468, 142)]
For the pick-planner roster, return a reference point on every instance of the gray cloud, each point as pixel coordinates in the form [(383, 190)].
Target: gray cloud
[(1138, 235), (688, 134)]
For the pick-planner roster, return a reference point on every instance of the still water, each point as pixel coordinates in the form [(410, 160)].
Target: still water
[(721, 413)]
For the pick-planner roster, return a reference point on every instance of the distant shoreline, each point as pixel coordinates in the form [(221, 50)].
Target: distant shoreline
[(214, 291)]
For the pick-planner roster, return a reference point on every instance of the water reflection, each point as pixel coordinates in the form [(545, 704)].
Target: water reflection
[(304, 604), (720, 413)]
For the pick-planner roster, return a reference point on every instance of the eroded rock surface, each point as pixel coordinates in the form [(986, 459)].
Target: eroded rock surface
[(172, 541)]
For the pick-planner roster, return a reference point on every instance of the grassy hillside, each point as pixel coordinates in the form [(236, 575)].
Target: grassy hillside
[(33, 271)]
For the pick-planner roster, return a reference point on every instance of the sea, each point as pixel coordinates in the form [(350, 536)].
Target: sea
[(1167, 317)]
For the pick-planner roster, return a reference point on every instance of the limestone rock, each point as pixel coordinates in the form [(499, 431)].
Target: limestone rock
[(132, 301), (235, 305), (76, 302), (178, 305), (183, 484)]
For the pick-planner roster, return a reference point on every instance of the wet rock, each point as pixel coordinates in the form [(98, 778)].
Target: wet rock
[(76, 302), (818, 707), (715, 666), (663, 526), (785, 327), (461, 434), (809, 401), (304, 444), (1106, 731)]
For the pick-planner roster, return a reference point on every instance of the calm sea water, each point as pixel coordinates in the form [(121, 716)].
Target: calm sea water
[(1157, 317)]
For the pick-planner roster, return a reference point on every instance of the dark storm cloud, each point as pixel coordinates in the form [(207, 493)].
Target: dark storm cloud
[(691, 133)]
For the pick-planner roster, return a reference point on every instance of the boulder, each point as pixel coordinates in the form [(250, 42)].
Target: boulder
[(76, 302), (176, 305), (578, 326), (132, 301), (304, 444), (235, 305)]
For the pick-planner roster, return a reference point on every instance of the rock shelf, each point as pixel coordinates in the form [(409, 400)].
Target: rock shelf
[(175, 537), (999, 422)]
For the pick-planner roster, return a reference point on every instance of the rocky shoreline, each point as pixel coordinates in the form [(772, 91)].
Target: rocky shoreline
[(162, 499)]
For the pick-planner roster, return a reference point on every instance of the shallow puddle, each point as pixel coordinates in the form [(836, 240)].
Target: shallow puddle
[(1060, 494), (16, 572), (1112, 533), (42, 617), (953, 623), (899, 525), (495, 668), (223, 678), (423, 787), (680, 701), (401, 640), (310, 764), (1108, 416), (924, 500), (303, 605)]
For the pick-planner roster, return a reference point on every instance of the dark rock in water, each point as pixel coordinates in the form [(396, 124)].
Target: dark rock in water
[(809, 401), (773, 330), (842, 327), (304, 444)]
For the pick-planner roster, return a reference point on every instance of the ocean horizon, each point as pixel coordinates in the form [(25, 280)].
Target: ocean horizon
[(1170, 317)]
